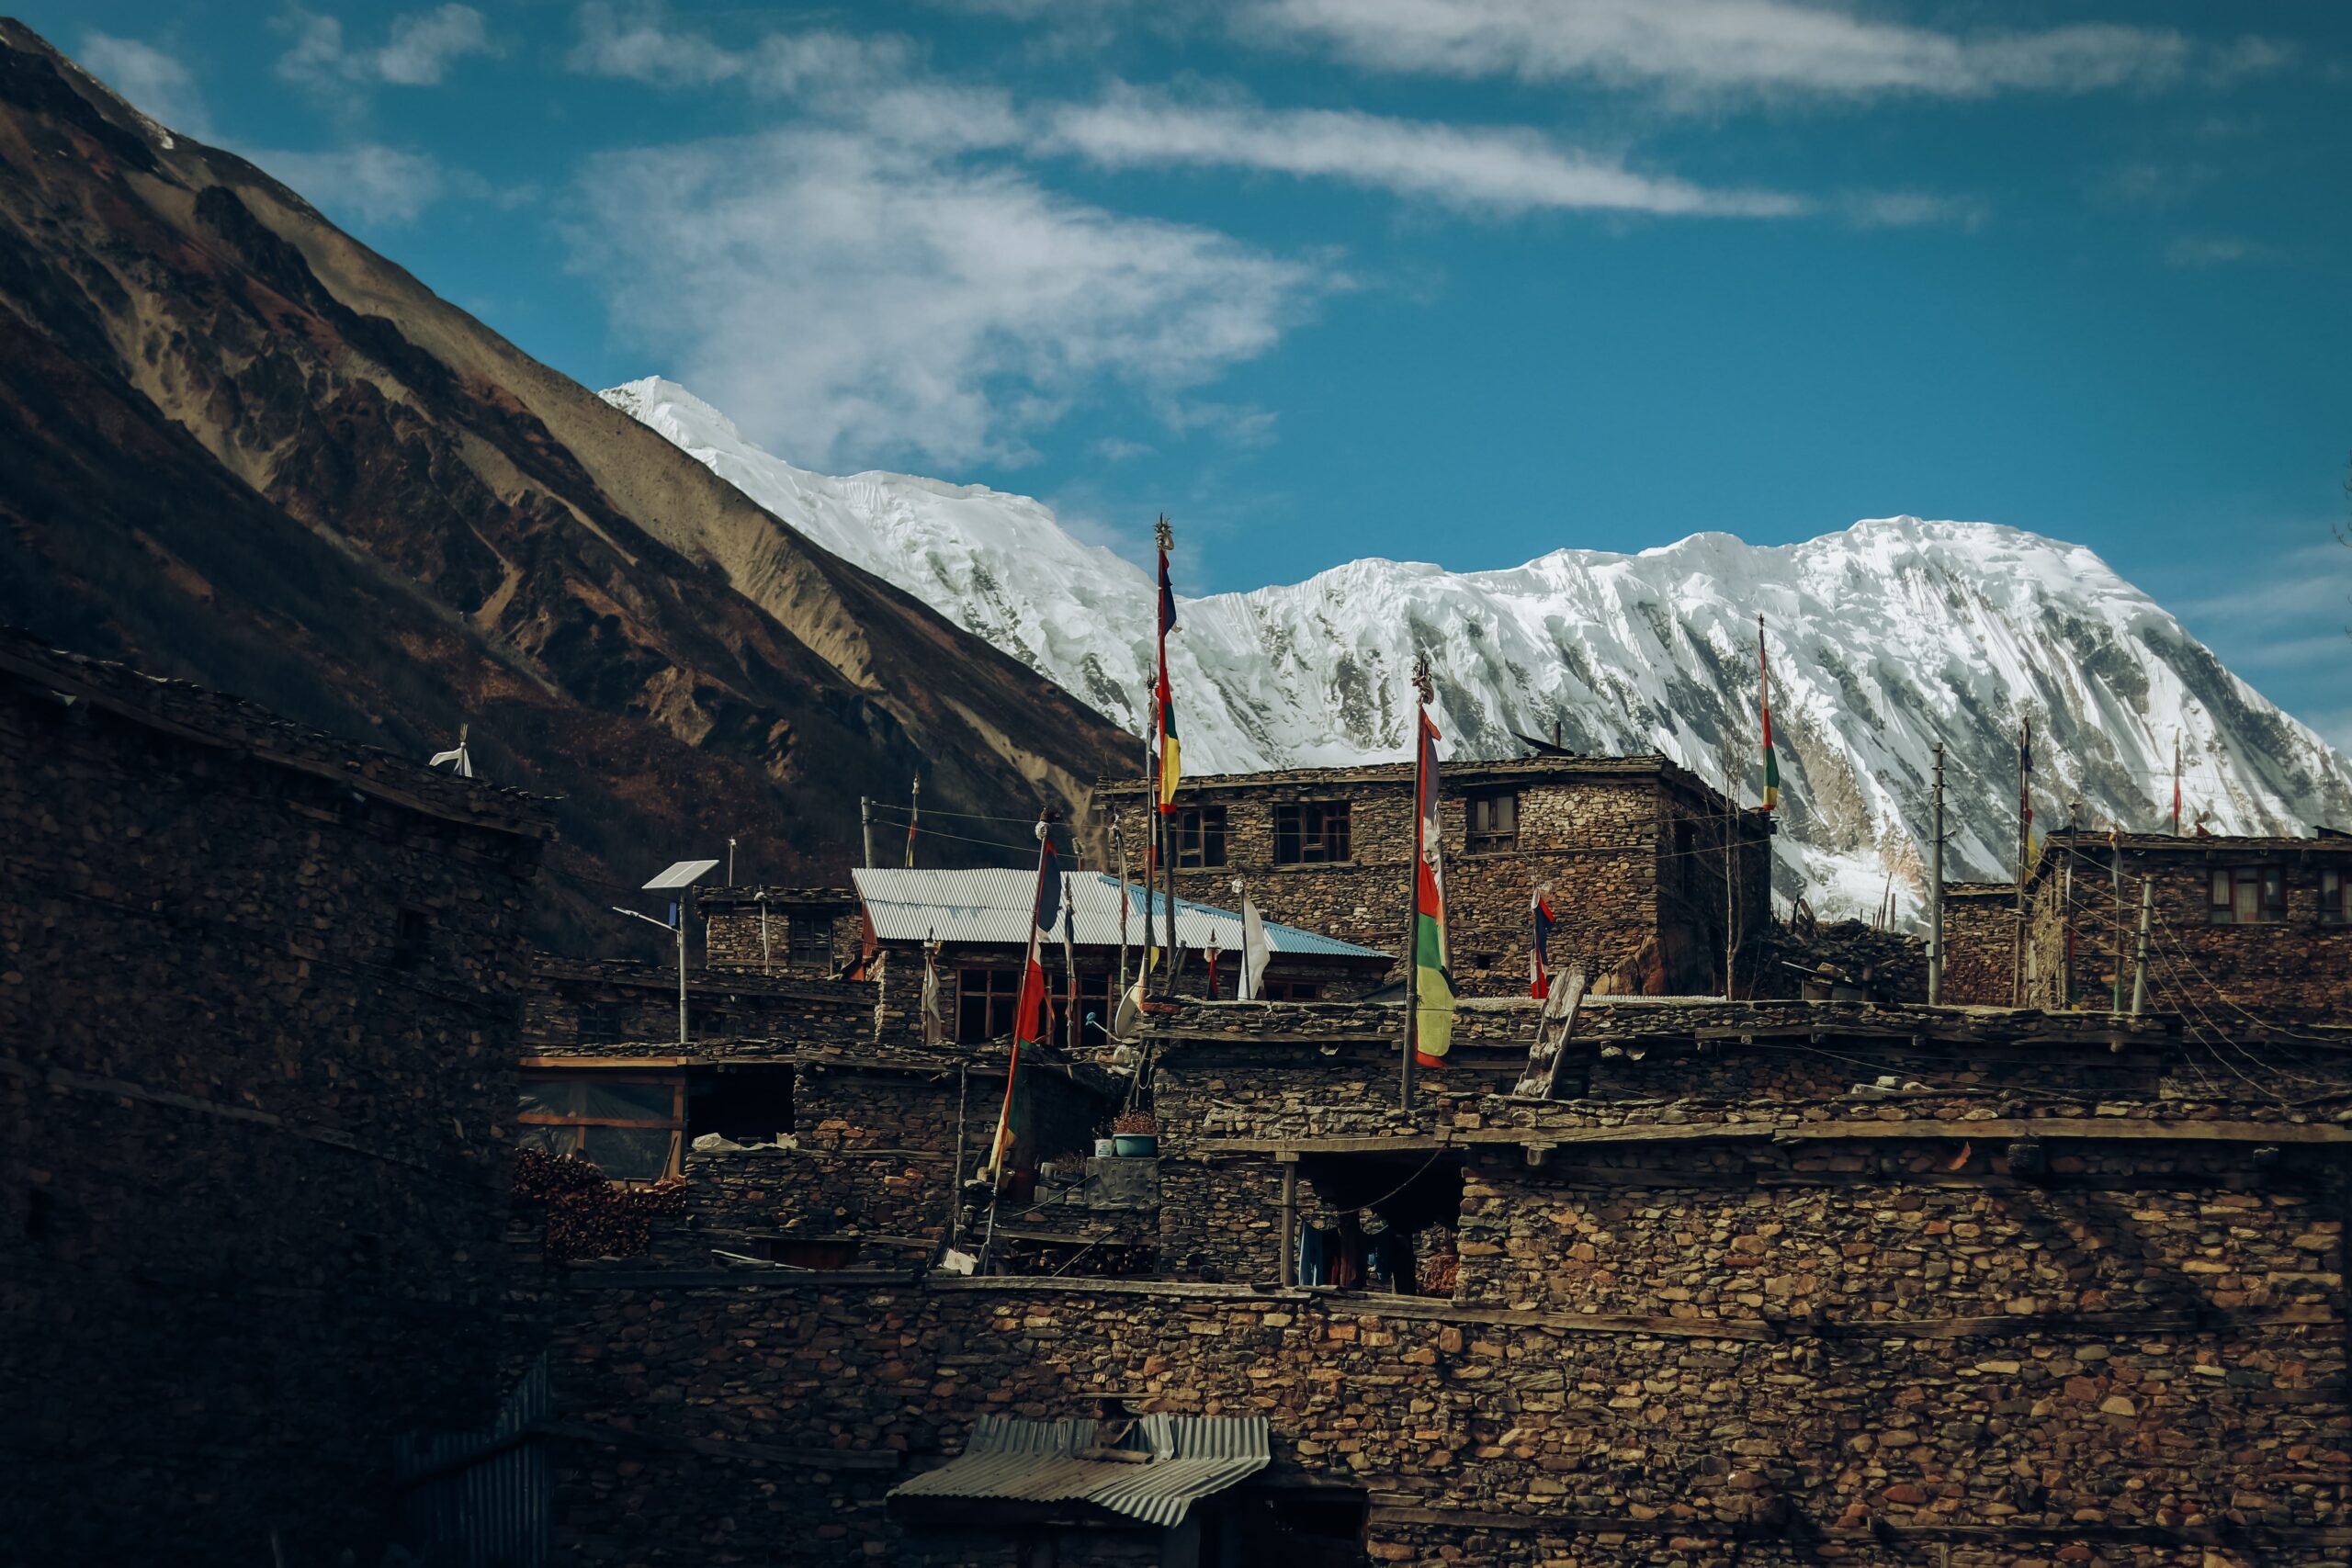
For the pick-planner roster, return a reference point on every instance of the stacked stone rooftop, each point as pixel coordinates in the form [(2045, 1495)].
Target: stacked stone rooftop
[(198, 712)]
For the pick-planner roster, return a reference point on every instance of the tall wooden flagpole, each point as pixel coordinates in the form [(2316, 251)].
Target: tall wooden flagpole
[(1424, 692), (1165, 536)]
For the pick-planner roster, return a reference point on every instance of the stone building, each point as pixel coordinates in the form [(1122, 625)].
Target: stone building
[(258, 993), (981, 921), (813, 931), (806, 1135), (2242, 933), (1772, 1282), (1635, 852)]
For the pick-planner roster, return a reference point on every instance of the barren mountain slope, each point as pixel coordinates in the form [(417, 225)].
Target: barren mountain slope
[(246, 449)]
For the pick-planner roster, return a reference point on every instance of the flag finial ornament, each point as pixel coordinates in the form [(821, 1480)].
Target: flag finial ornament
[(1423, 683), (1162, 535)]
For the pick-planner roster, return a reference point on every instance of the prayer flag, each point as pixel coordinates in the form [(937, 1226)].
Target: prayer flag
[(1539, 959), (1170, 768), (1432, 972), (1029, 1011)]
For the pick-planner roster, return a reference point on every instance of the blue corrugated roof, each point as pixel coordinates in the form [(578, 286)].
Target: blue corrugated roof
[(1038, 1462), (993, 905)]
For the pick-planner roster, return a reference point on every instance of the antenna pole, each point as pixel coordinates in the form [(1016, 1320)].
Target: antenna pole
[(1936, 889)]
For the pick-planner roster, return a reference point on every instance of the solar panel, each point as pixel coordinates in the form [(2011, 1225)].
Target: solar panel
[(686, 874)]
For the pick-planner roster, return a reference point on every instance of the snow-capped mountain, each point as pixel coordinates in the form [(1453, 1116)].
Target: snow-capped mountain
[(1885, 639)]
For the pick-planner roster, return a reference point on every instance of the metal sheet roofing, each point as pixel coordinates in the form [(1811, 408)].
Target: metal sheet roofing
[(1038, 1462), (992, 905)]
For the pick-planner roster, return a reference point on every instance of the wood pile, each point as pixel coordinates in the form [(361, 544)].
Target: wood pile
[(587, 1215)]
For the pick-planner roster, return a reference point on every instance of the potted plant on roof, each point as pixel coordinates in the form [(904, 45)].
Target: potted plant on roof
[(1135, 1134)]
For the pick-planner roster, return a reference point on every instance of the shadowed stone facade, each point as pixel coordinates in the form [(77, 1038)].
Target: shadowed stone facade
[(258, 995), (1633, 849)]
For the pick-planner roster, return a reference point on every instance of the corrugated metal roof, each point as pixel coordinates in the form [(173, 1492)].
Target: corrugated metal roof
[(992, 905), (1036, 1461)]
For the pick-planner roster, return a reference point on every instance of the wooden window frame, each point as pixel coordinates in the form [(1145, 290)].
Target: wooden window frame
[(2336, 904), (990, 996), (1199, 830), (1489, 839), (1328, 815), (808, 939), (676, 1123), (2224, 894), (1282, 989)]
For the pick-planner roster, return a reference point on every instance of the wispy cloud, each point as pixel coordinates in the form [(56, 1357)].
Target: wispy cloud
[(1490, 170), (850, 298), (417, 51), (157, 84), (1712, 47), (2194, 252), (369, 183), (640, 43), (1912, 209)]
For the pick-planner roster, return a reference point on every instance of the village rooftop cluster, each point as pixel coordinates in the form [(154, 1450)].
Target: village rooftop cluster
[(1550, 1199)]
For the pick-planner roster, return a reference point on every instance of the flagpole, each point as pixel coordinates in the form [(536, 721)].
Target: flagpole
[(2025, 835), (1166, 537), (914, 815), (1423, 690), (2176, 784)]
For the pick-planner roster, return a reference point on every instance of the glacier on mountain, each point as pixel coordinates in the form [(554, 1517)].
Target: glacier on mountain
[(1885, 639)]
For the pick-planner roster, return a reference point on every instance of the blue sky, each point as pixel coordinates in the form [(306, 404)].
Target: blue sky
[(1462, 280)]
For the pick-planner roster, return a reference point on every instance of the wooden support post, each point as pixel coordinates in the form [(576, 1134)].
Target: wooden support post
[(1288, 1162), (2139, 960)]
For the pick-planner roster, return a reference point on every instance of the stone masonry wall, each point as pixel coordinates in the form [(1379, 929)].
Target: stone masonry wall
[(257, 1013), (732, 929), (1632, 856), (1541, 1437), (579, 1007), (1979, 946), (2298, 969)]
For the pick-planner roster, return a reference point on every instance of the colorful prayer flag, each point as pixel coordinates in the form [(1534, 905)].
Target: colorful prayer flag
[(1539, 958), (1170, 768), (1029, 1011), (1432, 971)]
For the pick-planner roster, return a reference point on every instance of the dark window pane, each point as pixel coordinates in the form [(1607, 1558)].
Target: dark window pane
[(629, 1154)]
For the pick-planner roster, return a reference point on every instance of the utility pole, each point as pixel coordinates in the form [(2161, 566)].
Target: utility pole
[(2139, 960), (2115, 884), (2025, 840), (1936, 889), (914, 816), (1731, 870), (866, 827)]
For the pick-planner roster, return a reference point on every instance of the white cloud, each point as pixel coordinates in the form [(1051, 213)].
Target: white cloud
[(370, 183), (2195, 251), (1709, 47), (1498, 170), (417, 51), (638, 43), (853, 300), (1912, 209), (155, 84)]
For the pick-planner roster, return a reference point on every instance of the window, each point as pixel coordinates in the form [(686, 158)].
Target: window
[(1311, 834), (411, 938), (1200, 836), (810, 944), (603, 1023), (1278, 990), (984, 1003), (2247, 896), (1493, 823), (708, 1023), (628, 1124), (2335, 897)]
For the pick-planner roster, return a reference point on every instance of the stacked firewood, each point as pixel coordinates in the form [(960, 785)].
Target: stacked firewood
[(587, 1215)]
